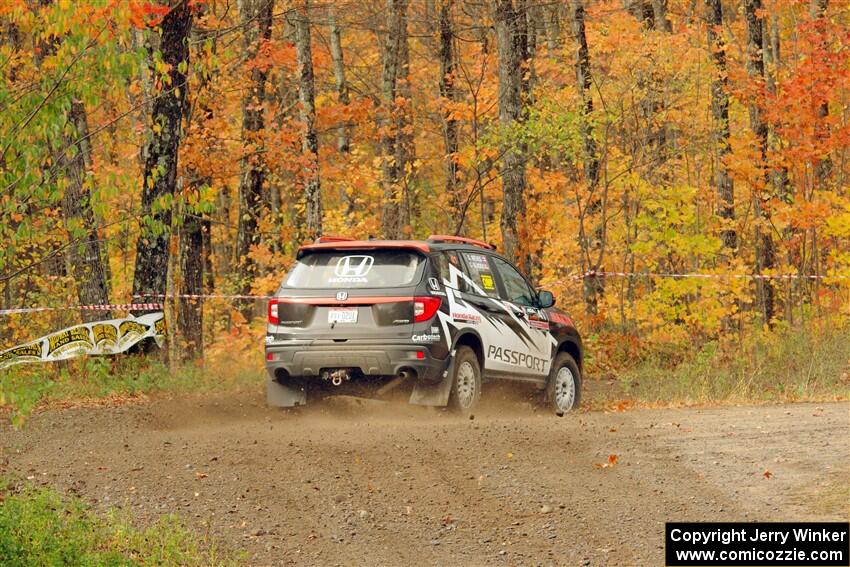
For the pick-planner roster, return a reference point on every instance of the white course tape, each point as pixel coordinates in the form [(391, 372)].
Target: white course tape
[(112, 336), (120, 307), (594, 274), (574, 277), (200, 296)]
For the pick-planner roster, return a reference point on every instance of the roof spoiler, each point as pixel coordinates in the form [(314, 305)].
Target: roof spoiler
[(329, 238), (460, 240)]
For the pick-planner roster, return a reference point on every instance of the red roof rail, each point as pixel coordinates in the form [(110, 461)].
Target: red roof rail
[(329, 238), (460, 240)]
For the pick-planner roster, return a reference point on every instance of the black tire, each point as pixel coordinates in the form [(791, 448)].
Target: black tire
[(466, 382), (559, 396)]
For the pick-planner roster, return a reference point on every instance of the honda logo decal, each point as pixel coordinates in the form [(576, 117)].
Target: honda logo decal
[(354, 266), (341, 295)]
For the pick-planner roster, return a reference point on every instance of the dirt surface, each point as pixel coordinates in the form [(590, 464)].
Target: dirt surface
[(356, 483)]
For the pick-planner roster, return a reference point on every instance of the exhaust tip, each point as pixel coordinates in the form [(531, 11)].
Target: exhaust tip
[(408, 374), (281, 375)]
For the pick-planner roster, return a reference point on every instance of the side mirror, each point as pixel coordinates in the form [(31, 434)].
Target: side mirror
[(545, 299)]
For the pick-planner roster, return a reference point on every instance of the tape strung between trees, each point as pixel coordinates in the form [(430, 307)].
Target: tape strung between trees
[(112, 336)]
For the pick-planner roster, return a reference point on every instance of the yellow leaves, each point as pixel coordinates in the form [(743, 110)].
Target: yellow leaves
[(838, 225)]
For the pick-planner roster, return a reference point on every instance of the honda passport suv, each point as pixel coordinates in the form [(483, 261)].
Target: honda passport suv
[(448, 314)]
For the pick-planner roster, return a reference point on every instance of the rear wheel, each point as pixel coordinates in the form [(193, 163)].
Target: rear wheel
[(563, 392), (466, 382)]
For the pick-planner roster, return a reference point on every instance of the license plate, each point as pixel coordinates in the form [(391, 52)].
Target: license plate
[(344, 315)]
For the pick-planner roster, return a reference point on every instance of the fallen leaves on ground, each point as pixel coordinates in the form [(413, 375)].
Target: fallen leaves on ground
[(612, 461)]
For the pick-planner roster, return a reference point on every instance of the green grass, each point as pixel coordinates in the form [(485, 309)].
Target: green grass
[(41, 527), (24, 387), (803, 364)]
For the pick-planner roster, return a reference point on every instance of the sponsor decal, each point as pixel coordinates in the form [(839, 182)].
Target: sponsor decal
[(97, 338), (129, 327), (516, 358), (477, 261), (269, 339), (352, 269), (538, 324), (68, 339), (130, 332), (23, 353), (466, 317), (487, 281), (426, 338), (105, 334)]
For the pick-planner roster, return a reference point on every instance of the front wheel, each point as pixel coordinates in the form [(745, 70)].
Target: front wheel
[(563, 391), (466, 382)]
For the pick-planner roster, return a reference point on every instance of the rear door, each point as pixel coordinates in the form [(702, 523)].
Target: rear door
[(350, 294), (498, 328), (533, 338)]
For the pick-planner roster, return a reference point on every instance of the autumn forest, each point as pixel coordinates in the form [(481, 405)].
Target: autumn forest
[(675, 171)]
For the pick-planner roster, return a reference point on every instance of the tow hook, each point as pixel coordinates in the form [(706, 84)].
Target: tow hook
[(338, 376)]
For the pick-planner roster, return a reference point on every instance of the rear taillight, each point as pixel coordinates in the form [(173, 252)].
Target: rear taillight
[(424, 308), (273, 317)]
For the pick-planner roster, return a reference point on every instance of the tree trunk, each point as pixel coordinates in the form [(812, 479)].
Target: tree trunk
[(553, 26), (772, 62), (309, 140), (659, 11), (720, 114), (207, 253), (256, 18), (190, 317), (510, 21), (643, 11), (86, 258), (393, 169), (764, 248), (160, 173), (591, 244), (195, 264), (405, 148), (343, 140), (823, 168), (10, 35), (449, 92), (655, 140)]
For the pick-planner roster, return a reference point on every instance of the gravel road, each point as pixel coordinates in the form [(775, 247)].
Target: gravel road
[(349, 482)]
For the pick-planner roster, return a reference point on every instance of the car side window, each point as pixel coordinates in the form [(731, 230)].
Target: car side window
[(517, 289), (479, 270), (442, 260)]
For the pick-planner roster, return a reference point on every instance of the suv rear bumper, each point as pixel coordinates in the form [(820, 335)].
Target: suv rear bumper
[(308, 359)]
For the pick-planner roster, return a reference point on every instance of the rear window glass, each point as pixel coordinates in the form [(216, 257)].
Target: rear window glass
[(355, 269)]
